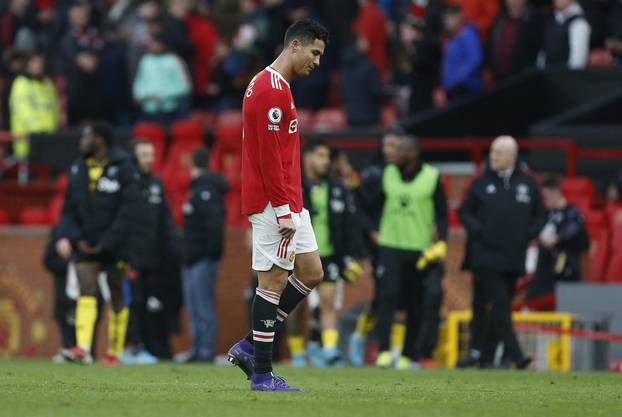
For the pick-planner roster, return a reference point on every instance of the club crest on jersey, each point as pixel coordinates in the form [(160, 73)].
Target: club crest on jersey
[(268, 323), (275, 114)]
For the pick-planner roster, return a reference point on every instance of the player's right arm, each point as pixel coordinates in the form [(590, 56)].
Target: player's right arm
[(271, 129)]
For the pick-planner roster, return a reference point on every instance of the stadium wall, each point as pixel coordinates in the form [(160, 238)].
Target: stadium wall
[(26, 296)]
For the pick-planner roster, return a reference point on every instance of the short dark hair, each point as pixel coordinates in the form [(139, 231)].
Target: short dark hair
[(103, 130), (200, 158), (312, 145), (409, 140), (306, 30), (137, 142), (551, 181)]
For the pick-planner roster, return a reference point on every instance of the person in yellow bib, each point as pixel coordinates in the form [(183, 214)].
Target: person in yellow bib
[(412, 232), (33, 105)]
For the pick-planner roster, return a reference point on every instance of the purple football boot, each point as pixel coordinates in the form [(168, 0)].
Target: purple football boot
[(271, 382), (242, 355)]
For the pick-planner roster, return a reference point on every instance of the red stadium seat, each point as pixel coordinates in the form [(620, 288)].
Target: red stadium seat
[(614, 269), (156, 134), (177, 169), (329, 119), (229, 117), (187, 131), (598, 254), (61, 182), (4, 218), (206, 119), (577, 186), (34, 216), (55, 209), (614, 212)]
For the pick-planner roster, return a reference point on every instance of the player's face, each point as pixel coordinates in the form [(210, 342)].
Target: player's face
[(389, 148), (307, 56), (320, 160), (88, 141), (551, 197), (145, 155), (501, 157)]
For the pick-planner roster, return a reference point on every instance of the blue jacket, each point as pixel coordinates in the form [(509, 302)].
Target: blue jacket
[(462, 61)]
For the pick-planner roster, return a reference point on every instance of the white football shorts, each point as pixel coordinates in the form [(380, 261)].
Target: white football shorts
[(270, 248)]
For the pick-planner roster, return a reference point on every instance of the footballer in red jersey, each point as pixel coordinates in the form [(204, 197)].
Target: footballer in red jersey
[(285, 252)]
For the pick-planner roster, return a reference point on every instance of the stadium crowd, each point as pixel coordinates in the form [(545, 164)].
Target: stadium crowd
[(129, 60)]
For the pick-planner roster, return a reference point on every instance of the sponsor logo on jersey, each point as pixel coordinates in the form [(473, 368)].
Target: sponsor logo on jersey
[(106, 185), (293, 126)]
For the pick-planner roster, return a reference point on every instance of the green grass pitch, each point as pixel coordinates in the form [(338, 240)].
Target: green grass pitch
[(40, 388)]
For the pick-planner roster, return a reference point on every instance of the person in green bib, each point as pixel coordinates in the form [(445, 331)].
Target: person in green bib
[(334, 216), (412, 231)]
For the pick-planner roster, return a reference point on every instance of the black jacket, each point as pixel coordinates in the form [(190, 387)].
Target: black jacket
[(156, 234), (562, 262), (52, 261), (527, 46), (107, 216), (343, 219), (204, 215), (361, 89), (501, 217)]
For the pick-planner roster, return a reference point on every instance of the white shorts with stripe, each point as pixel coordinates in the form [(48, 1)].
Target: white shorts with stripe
[(270, 248)]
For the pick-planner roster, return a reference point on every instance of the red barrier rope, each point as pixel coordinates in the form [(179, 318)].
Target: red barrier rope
[(580, 333)]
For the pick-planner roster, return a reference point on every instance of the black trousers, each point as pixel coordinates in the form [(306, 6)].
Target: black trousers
[(492, 315), (419, 293), (148, 329)]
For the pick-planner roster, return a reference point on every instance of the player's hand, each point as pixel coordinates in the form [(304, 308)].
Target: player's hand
[(375, 237), (63, 248), (287, 229), (353, 269), (87, 249), (435, 253)]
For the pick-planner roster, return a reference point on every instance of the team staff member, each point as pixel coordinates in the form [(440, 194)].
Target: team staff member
[(562, 241), (203, 240), (100, 211), (334, 218), (502, 212), (154, 241), (413, 204)]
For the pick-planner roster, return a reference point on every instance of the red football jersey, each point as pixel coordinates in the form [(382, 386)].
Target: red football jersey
[(270, 146)]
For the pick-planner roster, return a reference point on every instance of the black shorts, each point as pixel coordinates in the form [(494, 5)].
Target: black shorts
[(332, 270), (106, 261)]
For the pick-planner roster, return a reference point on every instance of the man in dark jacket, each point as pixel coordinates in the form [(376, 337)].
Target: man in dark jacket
[(361, 85), (412, 232), (154, 243), (515, 40), (502, 212), (63, 306), (100, 211), (203, 239), (335, 222), (561, 242)]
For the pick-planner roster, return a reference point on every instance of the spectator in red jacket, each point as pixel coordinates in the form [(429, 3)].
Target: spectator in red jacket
[(371, 23), (204, 36), (481, 13)]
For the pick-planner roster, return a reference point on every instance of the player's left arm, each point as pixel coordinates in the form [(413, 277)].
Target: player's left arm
[(272, 130), (128, 214), (438, 250)]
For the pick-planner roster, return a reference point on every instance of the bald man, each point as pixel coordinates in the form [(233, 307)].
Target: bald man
[(502, 212)]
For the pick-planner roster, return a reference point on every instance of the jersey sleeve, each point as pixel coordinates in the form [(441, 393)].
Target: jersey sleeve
[(272, 132)]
